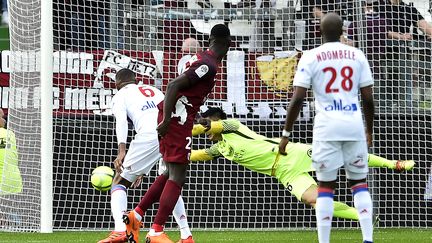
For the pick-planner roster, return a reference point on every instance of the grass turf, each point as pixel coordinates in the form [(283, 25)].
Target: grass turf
[(342, 236)]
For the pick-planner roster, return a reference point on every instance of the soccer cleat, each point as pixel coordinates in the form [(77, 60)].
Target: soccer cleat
[(162, 238), (115, 237), (188, 240), (404, 165), (132, 227)]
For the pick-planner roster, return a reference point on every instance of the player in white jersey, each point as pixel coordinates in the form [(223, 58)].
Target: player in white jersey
[(137, 103), (337, 73)]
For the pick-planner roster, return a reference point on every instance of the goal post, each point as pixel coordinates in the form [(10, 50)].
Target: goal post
[(57, 82), (46, 109)]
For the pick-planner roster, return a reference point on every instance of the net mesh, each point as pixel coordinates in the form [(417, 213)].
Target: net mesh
[(93, 39), (20, 177)]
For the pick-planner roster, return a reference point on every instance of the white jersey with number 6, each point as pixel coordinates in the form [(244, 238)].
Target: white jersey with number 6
[(336, 72), (139, 104)]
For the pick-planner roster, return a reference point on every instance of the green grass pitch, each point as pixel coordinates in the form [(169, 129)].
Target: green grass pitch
[(342, 236)]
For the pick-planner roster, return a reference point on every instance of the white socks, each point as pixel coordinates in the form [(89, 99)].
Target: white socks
[(118, 206), (324, 214), (179, 213), (137, 216), (363, 204)]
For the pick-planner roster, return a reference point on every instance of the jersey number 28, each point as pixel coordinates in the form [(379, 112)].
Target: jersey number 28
[(346, 84)]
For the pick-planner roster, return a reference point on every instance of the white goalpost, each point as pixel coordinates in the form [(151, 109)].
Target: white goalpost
[(26, 191), (57, 82), (46, 89)]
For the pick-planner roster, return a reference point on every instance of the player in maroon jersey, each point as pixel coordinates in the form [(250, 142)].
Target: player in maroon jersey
[(183, 99)]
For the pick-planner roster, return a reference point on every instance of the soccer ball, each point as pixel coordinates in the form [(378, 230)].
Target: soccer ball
[(101, 178)]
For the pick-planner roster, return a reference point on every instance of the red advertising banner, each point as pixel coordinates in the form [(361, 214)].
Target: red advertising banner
[(84, 82)]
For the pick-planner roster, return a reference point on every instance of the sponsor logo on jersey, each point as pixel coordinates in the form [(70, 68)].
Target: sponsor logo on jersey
[(338, 105), (148, 105)]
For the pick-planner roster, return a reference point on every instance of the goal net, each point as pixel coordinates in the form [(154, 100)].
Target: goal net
[(94, 39)]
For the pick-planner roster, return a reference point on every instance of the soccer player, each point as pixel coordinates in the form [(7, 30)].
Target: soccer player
[(337, 73), (137, 103), (10, 175), (258, 153), (184, 96)]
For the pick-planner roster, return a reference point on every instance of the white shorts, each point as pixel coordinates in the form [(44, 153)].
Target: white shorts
[(142, 155), (329, 156)]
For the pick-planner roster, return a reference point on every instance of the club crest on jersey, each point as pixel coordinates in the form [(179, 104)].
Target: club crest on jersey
[(148, 105), (338, 105), (202, 70)]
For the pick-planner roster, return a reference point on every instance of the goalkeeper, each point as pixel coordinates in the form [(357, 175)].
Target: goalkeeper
[(10, 175), (258, 153)]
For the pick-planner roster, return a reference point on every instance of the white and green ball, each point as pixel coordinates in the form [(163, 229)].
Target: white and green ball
[(101, 178)]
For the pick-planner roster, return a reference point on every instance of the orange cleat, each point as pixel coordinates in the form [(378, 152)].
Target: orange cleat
[(188, 240), (132, 227), (162, 238), (115, 237)]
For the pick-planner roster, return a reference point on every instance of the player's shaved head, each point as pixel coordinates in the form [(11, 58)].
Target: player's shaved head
[(220, 40), (331, 27), (124, 77), (220, 31)]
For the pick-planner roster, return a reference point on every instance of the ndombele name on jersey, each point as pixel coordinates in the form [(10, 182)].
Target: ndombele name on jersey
[(335, 55)]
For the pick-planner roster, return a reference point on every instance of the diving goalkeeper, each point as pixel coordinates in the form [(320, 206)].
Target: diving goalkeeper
[(236, 142)]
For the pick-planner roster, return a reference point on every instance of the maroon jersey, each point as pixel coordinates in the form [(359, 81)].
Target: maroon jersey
[(175, 145), (200, 68)]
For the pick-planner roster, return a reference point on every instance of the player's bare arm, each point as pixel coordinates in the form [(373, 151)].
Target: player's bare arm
[(294, 108), (369, 111), (121, 131), (180, 83), (120, 157)]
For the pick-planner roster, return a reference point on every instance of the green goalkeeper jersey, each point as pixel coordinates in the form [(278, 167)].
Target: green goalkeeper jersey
[(10, 176), (258, 153)]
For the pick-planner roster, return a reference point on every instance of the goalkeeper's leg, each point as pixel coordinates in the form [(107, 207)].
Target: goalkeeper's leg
[(305, 189), (341, 210), (398, 165)]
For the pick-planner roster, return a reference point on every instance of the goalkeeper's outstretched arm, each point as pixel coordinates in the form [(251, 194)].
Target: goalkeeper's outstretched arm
[(215, 127), (200, 155), (212, 127), (205, 154)]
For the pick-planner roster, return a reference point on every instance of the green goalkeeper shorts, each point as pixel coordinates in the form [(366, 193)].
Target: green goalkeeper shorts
[(300, 184), (293, 169)]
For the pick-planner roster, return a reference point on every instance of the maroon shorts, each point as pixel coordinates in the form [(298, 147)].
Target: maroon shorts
[(175, 146)]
